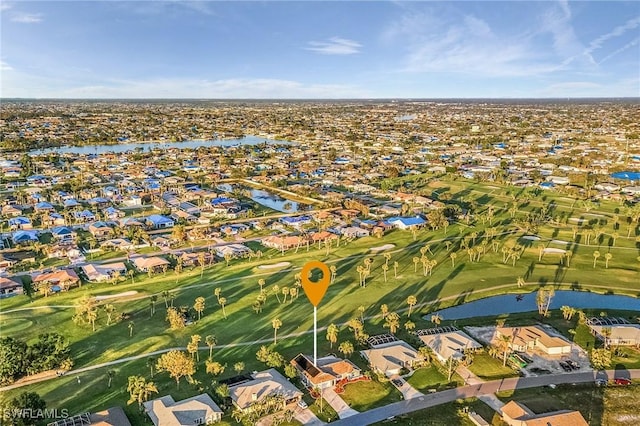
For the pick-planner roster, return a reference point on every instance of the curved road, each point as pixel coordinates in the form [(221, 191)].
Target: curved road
[(486, 388)]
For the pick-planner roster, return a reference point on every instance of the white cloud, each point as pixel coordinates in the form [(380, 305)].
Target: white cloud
[(259, 88), (5, 67), (335, 46), (4, 6), (26, 18), (616, 32), (629, 45)]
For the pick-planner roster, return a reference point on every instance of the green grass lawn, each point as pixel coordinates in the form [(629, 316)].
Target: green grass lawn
[(452, 413), (489, 368), (426, 378), (362, 396), (449, 284), (327, 414)]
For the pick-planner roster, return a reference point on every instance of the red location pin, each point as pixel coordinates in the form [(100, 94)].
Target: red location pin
[(315, 291)]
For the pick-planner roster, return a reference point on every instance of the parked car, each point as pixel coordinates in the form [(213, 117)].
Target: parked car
[(622, 381), (302, 404)]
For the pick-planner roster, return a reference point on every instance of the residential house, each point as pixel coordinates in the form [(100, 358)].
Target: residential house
[(63, 234), (193, 259), (11, 210), (44, 206), (533, 337), (153, 263), (112, 213), (518, 414), (24, 237), (296, 222), (122, 244), (326, 372), (84, 216), (234, 250), (9, 287), (447, 342), (100, 230), (103, 272), (262, 384), (197, 410), (390, 358), (407, 222), (157, 221), (20, 222), (283, 242), (63, 279), (55, 219), (355, 232), (113, 416), (70, 203), (615, 331)]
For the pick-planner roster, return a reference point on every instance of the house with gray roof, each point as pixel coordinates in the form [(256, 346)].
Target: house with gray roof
[(197, 410)]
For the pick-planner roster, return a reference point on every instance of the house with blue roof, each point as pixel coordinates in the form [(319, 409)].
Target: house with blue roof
[(63, 234), (295, 221), (406, 222), (44, 206), (20, 222), (70, 203), (23, 237), (99, 202), (157, 221), (113, 213), (55, 219), (84, 216)]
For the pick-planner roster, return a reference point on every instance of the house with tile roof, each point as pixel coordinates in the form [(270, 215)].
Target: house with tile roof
[(533, 337), (517, 414), (262, 384), (326, 372)]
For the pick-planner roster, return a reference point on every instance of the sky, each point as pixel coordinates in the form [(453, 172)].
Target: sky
[(319, 49)]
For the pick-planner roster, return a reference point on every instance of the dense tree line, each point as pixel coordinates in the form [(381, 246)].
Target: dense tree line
[(18, 359)]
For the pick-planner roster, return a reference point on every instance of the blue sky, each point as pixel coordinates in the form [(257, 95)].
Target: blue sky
[(314, 49)]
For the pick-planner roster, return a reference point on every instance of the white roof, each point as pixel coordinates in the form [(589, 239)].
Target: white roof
[(450, 344)]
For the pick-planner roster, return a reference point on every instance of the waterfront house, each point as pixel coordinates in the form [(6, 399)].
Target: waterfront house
[(447, 342), (153, 263), (533, 337), (407, 222), (615, 331), (103, 272)]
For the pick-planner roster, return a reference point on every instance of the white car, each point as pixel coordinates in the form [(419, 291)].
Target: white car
[(302, 404)]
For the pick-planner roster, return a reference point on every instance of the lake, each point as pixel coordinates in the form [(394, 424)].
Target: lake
[(124, 147), (273, 201), (508, 304)]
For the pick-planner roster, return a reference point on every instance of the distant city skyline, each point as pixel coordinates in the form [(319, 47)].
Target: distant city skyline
[(313, 49)]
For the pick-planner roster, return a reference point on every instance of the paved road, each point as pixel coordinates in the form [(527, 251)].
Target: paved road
[(421, 402)]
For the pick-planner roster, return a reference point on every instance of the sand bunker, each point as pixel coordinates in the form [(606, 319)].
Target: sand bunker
[(531, 237), (559, 242), (576, 219), (113, 296), (275, 265), (383, 248), (554, 250)]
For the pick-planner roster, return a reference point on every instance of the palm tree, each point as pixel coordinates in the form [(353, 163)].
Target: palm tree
[(276, 289), (568, 256), (130, 327), (395, 269), (151, 362), (411, 301), (392, 322), (332, 334), (409, 325), (504, 342), (385, 268), (165, 296), (607, 258), (198, 306), (596, 255), (285, 293), (216, 292), (385, 310), (276, 324), (521, 282), (261, 283), (453, 256), (223, 301), (333, 270), (416, 260), (436, 319), (152, 302), (346, 348), (211, 341)]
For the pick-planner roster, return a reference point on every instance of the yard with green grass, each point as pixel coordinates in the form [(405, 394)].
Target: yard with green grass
[(452, 281)]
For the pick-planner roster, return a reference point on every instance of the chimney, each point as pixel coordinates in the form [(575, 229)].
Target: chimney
[(254, 396)]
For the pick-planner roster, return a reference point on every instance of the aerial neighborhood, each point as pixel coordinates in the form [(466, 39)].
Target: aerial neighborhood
[(151, 255)]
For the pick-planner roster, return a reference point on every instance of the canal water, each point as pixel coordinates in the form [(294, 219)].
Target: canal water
[(124, 147), (509, 304)]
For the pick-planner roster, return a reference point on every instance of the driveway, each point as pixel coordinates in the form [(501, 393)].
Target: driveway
[(306, 417), (338, 404), (404, 387)]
